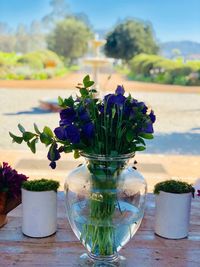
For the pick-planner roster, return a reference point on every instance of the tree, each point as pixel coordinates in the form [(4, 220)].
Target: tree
[(70, 38), (22, 39), (129, 39), (36, 36), (59, 10)]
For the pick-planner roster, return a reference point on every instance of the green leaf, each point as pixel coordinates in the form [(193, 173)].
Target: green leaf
[(16, 139), (68, 102), (140, 141), (36, 129), (86, 79), (45, 139), (28, 136), (76, 154), (146, 136), (129, 135), (88, 84), (140, 148), (21, 128), (60, 101), (84, 92), (67, 149), (48, 131), (32, 145)]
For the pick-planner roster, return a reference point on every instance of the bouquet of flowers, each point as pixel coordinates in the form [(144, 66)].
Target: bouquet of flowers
[(113, 126), (110, 126)]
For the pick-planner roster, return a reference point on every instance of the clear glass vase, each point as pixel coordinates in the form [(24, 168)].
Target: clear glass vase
[(105, 200)]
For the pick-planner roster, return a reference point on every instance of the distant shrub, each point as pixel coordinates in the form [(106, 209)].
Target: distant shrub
[(37, 65), (158, 69), (8, 59)]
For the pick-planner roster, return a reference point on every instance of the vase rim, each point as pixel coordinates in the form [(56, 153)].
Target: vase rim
[(102, 157)]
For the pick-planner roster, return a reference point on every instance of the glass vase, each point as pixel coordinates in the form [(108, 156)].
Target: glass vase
[(105, 201)]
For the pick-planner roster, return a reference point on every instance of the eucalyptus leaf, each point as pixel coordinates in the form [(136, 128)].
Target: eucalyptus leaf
[(36, 128), (21, 128), (60, 101), (76, 154), (84, 92), (32, 145), (48, 131), (16, 139), (45, 139), (86, 79), (27, 136), (68, 102)]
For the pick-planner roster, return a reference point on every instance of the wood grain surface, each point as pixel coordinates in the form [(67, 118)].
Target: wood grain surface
[(63, 249)]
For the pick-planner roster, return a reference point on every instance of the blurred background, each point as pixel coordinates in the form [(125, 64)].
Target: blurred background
[(151, 47)]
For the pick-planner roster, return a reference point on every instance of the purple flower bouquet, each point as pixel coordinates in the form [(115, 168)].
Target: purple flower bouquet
[(107, 132)]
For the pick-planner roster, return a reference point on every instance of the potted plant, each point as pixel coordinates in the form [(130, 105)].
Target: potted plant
[(173, 203), (39, 207), (105, 197), (10, 190)]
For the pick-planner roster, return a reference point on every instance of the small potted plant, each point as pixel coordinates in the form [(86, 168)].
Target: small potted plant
[(173, 203), (10, 190), (39, 207)]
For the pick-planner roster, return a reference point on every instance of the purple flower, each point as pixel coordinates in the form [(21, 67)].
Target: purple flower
[(120, 90), (152, 116), (53, 153), (83, 114), (69, 132), (88, 101), (52, 164), (112, 99), (73, 134), (60, 133), (67, 116), (134, 102), (143, 107), (101, 108), (148, 128), (88, 130), (11, 181)]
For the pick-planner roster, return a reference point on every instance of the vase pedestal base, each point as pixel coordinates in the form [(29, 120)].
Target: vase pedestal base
[(3, 220), (86, 260)]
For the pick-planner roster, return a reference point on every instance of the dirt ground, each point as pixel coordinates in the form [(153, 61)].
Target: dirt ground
[(107, 83)]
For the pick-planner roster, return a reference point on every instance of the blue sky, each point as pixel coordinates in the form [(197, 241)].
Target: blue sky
[(171, 19)]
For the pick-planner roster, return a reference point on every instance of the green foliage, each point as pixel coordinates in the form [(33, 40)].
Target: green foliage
[(70, 38), (37, 65), (154, 68), (8, 59), (40, 59), (129, 39), (41, 185), (31, 138), (173, 186)]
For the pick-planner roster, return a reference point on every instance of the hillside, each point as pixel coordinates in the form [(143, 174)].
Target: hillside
[(186, 48)]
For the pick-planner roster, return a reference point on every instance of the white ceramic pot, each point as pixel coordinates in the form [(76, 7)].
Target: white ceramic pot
[(172, 215), (39, 213)]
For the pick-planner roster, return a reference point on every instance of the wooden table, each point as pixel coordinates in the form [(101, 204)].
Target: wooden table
[(63, 248)]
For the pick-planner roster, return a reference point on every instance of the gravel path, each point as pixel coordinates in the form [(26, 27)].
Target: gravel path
[(177, 127)]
